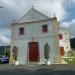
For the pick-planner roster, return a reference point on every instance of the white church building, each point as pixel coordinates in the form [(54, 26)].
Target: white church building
[(36, 37)]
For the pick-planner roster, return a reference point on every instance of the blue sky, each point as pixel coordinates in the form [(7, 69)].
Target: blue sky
[(71, 13), (15, 9)]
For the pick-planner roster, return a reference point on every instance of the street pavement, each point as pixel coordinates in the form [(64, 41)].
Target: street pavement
[(7, 69)]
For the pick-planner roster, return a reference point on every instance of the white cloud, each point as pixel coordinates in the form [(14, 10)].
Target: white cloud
[(71, 26), (4, 40), (73, 1), (6, 32), (5, 37), (52, 6), (18, 7), (65, 24), (49, 7)]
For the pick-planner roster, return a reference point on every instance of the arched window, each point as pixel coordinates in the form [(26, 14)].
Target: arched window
[(46, 51)]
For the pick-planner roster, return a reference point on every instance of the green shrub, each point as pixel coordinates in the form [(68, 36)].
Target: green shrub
[(15, 52), (70, 60)]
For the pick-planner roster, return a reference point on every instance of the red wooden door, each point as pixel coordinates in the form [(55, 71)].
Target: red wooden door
[(62, 51), (33, 52)]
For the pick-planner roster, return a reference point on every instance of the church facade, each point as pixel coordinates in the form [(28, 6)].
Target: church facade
[(36, 37)]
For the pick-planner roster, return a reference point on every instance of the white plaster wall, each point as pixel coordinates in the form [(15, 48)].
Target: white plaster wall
[(22, 45), (22, 53), (33, 30)]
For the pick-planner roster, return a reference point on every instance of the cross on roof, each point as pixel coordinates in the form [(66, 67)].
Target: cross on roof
[(32, 6), (54, 14)]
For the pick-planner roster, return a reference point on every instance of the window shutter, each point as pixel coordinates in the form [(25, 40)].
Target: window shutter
[(60, 36), (45, 28), (21, 31)]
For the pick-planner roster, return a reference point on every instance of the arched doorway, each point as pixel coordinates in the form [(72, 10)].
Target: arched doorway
[(33, 53)]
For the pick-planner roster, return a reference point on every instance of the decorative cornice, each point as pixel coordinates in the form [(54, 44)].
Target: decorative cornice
[(17, 23)]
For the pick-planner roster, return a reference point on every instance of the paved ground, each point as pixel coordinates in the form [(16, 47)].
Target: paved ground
[(37, 70)]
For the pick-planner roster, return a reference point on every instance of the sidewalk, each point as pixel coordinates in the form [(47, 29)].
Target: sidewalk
[(37, 70)]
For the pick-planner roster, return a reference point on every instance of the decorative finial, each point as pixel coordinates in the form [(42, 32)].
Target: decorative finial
[(32, 6), (54, 15)]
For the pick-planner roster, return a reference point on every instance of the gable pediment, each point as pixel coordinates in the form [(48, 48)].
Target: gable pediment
[(33, 15)]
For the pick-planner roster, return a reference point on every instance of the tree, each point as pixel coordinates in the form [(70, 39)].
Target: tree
[(15, 52), (70, 53), (71, 59), (46, 51)]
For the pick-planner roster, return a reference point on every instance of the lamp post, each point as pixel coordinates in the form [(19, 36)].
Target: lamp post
[(1, 7)]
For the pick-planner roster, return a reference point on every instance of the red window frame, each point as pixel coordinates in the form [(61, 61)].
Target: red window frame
[(62, 51), (21, 31), (45, 28), (60, 36)]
